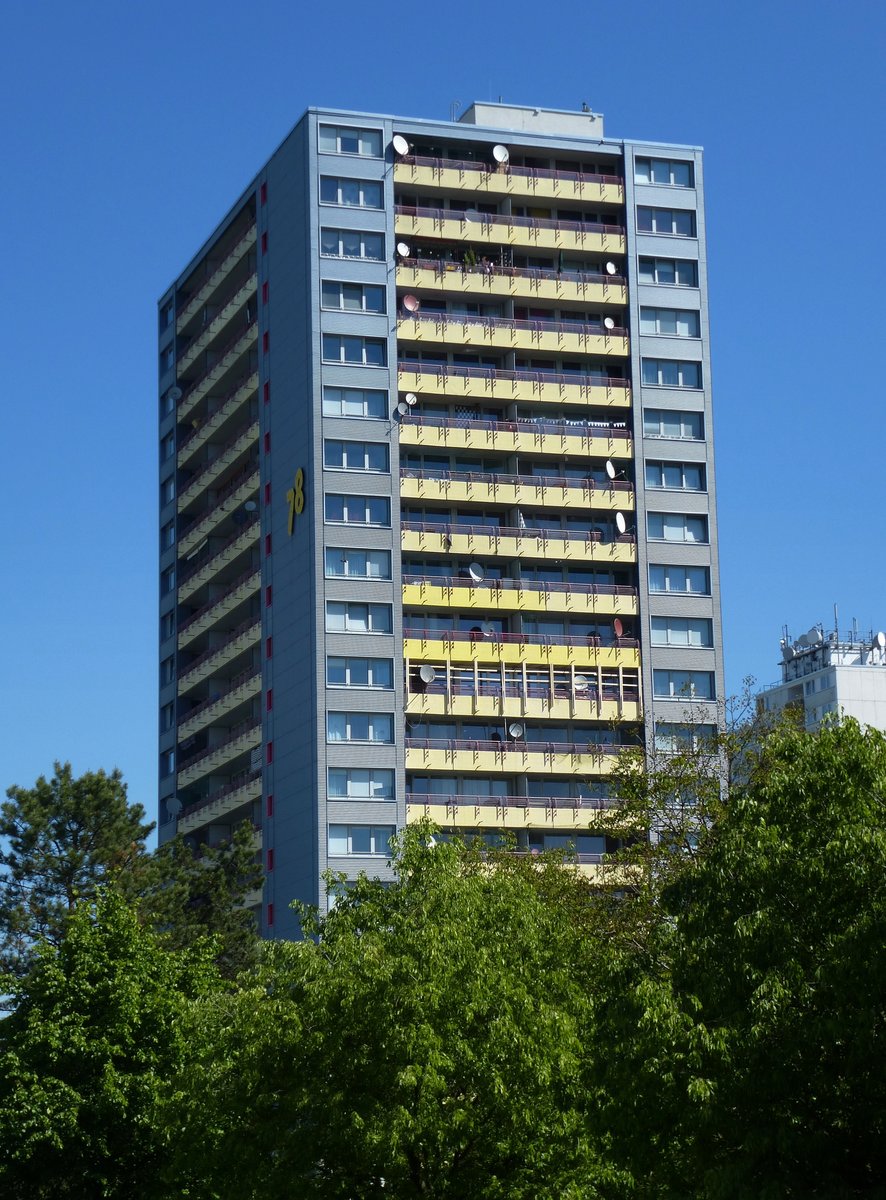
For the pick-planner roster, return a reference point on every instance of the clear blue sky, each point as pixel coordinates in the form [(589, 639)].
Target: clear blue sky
[(129, 128)]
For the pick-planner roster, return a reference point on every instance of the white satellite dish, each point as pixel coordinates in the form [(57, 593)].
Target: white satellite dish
[(788, 653), (880, 640), (611, 268), (175, 394), (620, 523), (813, 637), (487, 628), (803, 640), (411, 303), (427, 674), (403, 249), (580, 683), (250, 505), (411, 399), (610, 469), (471, 214), (173, 807), (608, 322), (515, 730), (618, 627), (400, 144), (402, 409), (500, 154), (476, 573)]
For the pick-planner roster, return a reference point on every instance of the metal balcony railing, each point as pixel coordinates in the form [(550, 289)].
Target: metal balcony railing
[(198, 429), (209, 555), (514, 690), (474, 217), (252, 624), (491, 478), (237, 682), (238, 782), (444, 266), (588, 641), (493, 531), (501, 746), (228, 490), (583, 429), (197, 480), (493, 324), (521, 585), (219, 357), (195, 300), (591, 802), (237, 732), (220, 306), (491, 375), (466, 164), (253, 573)]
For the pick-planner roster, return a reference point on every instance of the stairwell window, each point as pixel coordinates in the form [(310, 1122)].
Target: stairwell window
[(352, 243), (360, 839), (682, 631), (350, 193), (354, 402), (359, 672), (673, 272), (683, 685), (350, 616), (672, 322), (343, 139), (357, 564), (671, 423), (352, 297), (360, 783), (358, 510), (676, 527), (355, 456), (686, 477), (664, 171), (361, 351), (691, 581), (675, 222), (665, 372), (360, 727)]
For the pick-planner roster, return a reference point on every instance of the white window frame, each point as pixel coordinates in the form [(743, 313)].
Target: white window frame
[(373, 664), (681, 685), (680, 631), (365, 777), (374, 611), (341, 181), (364, 342), (379, 838), (351, 509), (669, 163), (384, 721), (357, 450), (659, 216), (667, 590), (661, 466), (342, 234), (660, 364), (345, 551), (338, 130), (662, 415), (362, 288), (339, 396), (654, 316), (673, 518), (677, 264)]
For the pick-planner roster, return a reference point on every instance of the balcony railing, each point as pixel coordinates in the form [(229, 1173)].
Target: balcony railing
[(514, 690), (501, 746), (237, 732), (493, 375), (539, 481), (237, 682), (527, 585), (188, 352), (253, 573), (492, 324), (466, 164), (221, 355), (573, 535), (238, 782), (481, 218), (197, 430), (588, 641), (253, 624), (585, 429), (210, 554), (590, 802), (228, 490), (444, 266)]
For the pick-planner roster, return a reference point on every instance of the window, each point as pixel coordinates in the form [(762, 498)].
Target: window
[(352, 243), (167, 670), (167, 490), (358, 510), (346, 616), (355, 456), (167, 763), (671, 173), (695, 581), (352, 297), (166, 314), (341, 139), (676, 322), (683, 684), (167, 447), (360, 783), (675, 739), (682, 631), (167, 717), (167, 535), (661, 372), (350, 193), (167, 625), (360, 839), (360, 672), (367, 352), (167, 581), (167, 358), (676, 222), (358, 564), (669, 423), (360, 727), (677, 527), (354, 402), (676, 272), (687, 477)]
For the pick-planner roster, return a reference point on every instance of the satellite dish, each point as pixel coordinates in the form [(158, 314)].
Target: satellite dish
[(411, 303), (402, 409), (175, 394), (411, 399), (611, 268), (788, 653), (471, 214), (580, 683), (515, 730), (813, 637), (610, 469), (880, 640), (173, 807), (427, 674), (803, 640), (620, 523), (250, 506), (608, 322), (476, 572), (403, 249), (618, 626), (400, 144), (487, 628), (500, 154)]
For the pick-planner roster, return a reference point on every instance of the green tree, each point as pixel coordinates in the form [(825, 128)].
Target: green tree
[(59, 841), (87, 1056), (427, 1040)]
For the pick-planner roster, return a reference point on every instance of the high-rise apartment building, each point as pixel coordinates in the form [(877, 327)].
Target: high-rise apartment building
[(437, 508)]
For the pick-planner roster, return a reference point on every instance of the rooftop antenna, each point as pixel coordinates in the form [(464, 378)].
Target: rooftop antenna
[(453, 109), (836, 621)]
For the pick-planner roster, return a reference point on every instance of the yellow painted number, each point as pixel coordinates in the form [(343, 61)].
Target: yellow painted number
[(296, 498)]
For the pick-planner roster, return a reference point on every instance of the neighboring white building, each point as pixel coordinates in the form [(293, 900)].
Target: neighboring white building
[(828, 673)]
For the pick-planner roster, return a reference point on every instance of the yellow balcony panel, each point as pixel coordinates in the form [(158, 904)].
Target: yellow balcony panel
[(561, 708), (246, 637), (232, 497), (564, 337), (204, 431), (206, 569), (478, 540), (453, 175), (242, 688), (558, 650), (528, 490), (513, 595), (239, 592), (193, 305), (208, 762), (537, 387), (239, 345), (563, 815), (245, 789), (517, 437), (535, 758), (532, 233), (225, 460), (230, 305), (515, 283)]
